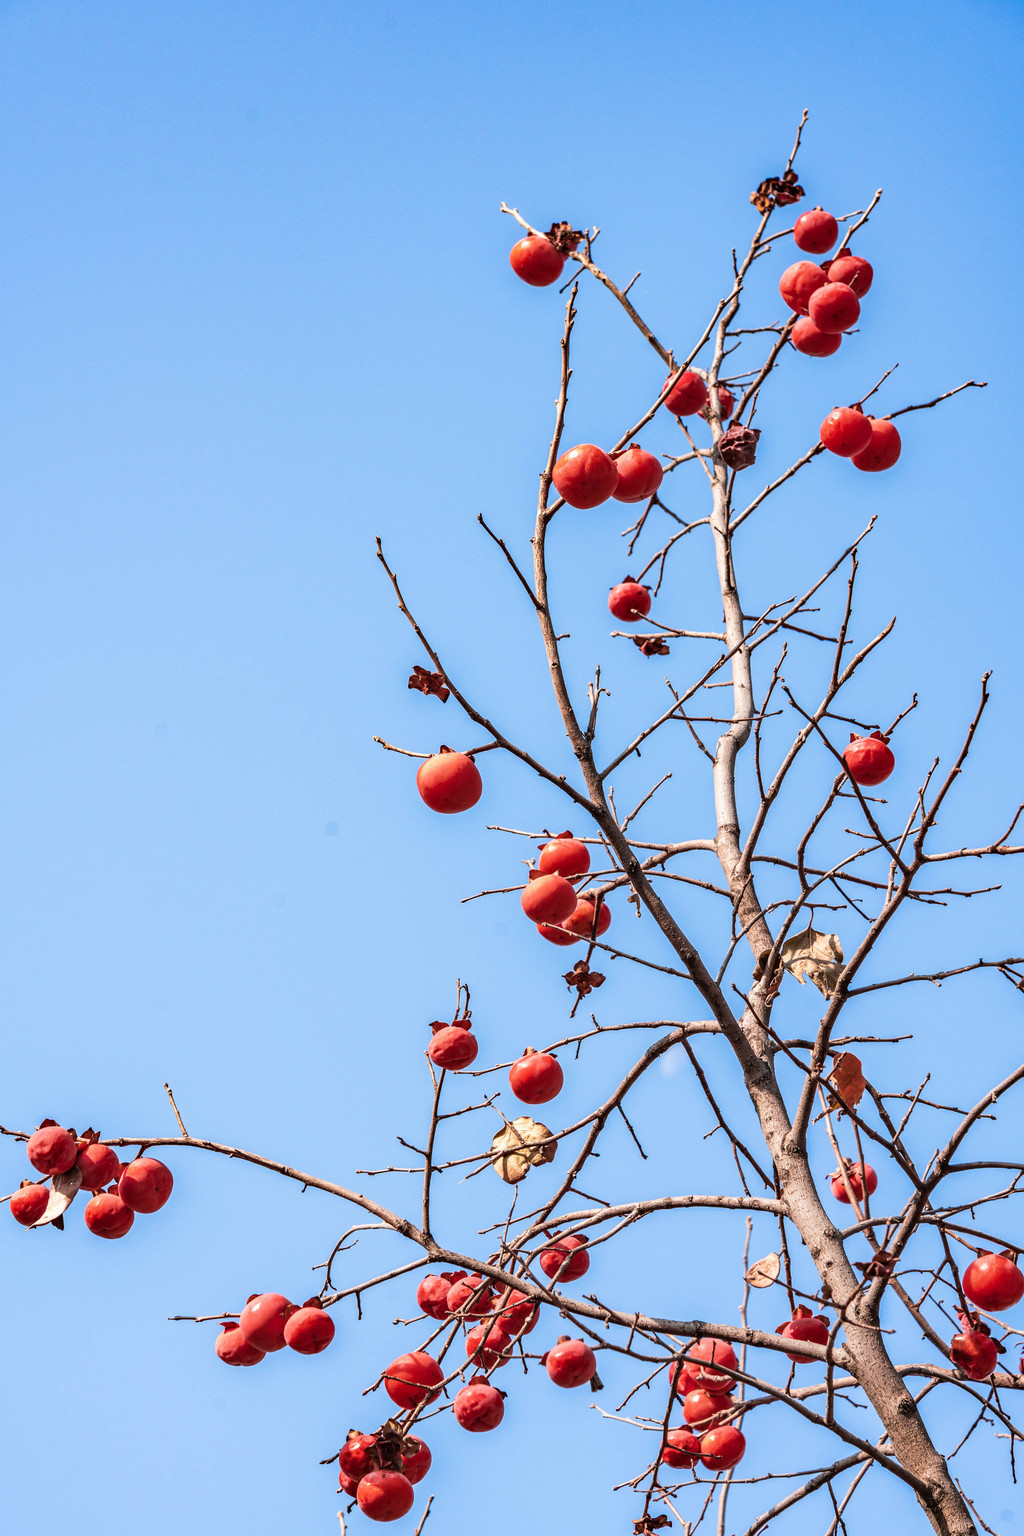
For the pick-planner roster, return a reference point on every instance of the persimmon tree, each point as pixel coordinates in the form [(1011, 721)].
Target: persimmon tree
[(883, 1302)]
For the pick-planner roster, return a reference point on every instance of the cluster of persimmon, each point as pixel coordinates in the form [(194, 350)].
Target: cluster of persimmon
[(826, 298), (268, 1322), (380, 1470), (120, 1191), (992, 1282), (549, 897)]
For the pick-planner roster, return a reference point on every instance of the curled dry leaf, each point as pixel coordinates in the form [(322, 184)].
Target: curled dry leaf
[(429, 683), (514, 1151), (653, 645), (765, 1272), (817, 957), (564, 237), (776, 192), (848, 1079), (63, 1189)]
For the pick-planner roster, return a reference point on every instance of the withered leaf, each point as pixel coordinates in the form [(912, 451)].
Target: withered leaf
[(63, 1189), (653, 645), (765, 1272), (649, 1523), (774, 982), (515, 1150), (583, 978), (882, 1265), (847, 1078), (776, 192), (813, 956), (429, 683), (564, 237)]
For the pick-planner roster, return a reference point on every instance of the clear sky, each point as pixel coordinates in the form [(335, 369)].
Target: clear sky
[(256, 308)]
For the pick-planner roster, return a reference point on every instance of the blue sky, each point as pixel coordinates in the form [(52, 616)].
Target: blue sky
[(256, 308)]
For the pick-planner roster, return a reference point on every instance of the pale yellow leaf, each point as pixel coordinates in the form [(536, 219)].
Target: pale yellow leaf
[(765, 1272), (816, 957), (514, 1150)]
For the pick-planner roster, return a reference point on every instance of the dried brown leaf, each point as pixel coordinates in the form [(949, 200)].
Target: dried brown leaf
[(813, 956), (765, 1272), (429, 683), (63, 1189), (514, 1150), (847, 1078), (776, 192), (653, 645)]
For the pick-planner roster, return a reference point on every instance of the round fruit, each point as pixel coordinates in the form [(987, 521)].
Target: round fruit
[(358, 1455), (469, 1293), (348, 1485), (453, 1048), (432, 1294), (548, 899), (681, 1449), (993, 1282), (799, 282), (640, 474), (29, 1203), (416, 1464), (571, 1363), (564, 856), (51, 1150), (557, 935), (702, 1359), (854, 271), (882, 451), (385, 1495), (479, 1406), (537, 261), (488, 1345), (263, 1319), (234, 1348), (108, 1216), (98, 1164), (869, 760), (585, 476), (701, 1408), (629, 602), (687, 396), (682, 1380), (975, 1354), (566, 1258), (807, 339), (845, 431), (145, 1185), (449, 782), (517, 1313), (413, 1379), (853, 1173), (585, 921), (834, 307), (816, 231), (309, 1330), (812, 1330), (722, 1448), (536, 1077)]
